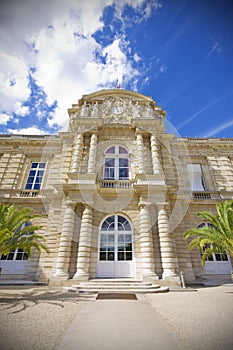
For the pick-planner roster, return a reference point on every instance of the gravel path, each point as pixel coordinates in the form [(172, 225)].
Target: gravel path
[(202, 319), (37, 317)]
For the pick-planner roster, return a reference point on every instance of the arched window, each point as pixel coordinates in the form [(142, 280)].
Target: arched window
[(116, 163)]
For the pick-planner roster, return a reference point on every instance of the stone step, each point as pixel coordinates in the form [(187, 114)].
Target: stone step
[(116, 286), (113, 287), (151, 289), (112, 284)]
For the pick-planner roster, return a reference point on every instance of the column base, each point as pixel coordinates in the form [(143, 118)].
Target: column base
[(81, 276), (60, 275), (149, 277), (172, 278)]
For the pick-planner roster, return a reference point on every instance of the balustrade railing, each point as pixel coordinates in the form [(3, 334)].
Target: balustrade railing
[(115, 183)]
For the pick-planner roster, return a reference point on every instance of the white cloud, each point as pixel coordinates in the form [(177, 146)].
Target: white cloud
[(32, 130), (55, 38), (14, 82), (219, 128), (4, 118)]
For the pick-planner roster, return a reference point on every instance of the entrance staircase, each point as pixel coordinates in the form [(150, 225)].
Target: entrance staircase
[(117, 286)]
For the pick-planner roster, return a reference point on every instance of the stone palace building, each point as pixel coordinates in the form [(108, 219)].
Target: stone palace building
[(115, 193)]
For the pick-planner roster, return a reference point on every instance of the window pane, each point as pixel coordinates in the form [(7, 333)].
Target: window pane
[(128, 255), (122, 150), (102, 256), (10, 256), (3, 257), (128, 238), (34, 165), (36, 187), (41, 165), (111, 150), (28, 187), (110, 239), (123, 173), (109, 162), (111, 256), (121, 256), (123, 163)]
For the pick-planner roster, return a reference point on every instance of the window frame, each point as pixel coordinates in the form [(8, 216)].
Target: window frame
[(35, 176), (113, 171)]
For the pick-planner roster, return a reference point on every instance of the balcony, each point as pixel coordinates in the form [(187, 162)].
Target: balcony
[(199, 195), (123, 184), (5, 193)]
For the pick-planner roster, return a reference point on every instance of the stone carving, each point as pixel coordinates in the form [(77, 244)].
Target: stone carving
[(116, 119)]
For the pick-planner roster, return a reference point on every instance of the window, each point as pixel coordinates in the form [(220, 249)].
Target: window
[(17, 254), (116, 164), (116, 239), (196, 177), (35, 176)]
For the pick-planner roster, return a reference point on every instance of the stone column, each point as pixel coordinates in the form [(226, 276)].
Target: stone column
[(76, 159), (146, 243), (92, 154), (140, 152), (155, 155), (63, 258), (84, 249), (166, 248)]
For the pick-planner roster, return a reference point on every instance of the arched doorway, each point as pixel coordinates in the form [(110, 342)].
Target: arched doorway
[(115, 256)]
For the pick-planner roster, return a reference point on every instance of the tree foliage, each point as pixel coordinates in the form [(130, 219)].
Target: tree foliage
[(16, 232), (217, 234)]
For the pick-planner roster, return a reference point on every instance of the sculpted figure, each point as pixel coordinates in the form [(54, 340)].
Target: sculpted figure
[(84, 110), (107, 105), (95, 110), (137, 110), (149, 110)]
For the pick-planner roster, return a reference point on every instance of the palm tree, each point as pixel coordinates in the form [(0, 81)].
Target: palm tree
[(17, 232), (217, 235)]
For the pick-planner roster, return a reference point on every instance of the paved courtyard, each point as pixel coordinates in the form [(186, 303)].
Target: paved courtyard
[(38, 317)]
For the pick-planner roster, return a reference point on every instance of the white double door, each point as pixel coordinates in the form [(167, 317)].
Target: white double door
[(115, 258)]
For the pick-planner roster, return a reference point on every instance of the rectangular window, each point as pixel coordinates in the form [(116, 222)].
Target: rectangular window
[(35, 176), (196, 177)]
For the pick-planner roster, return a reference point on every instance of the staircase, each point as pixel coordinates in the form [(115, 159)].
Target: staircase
[(117, 286)]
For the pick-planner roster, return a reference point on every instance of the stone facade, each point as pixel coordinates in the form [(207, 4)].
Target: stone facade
[(115, 192)]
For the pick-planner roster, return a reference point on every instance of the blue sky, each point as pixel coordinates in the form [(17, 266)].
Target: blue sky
[(180, 52)]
